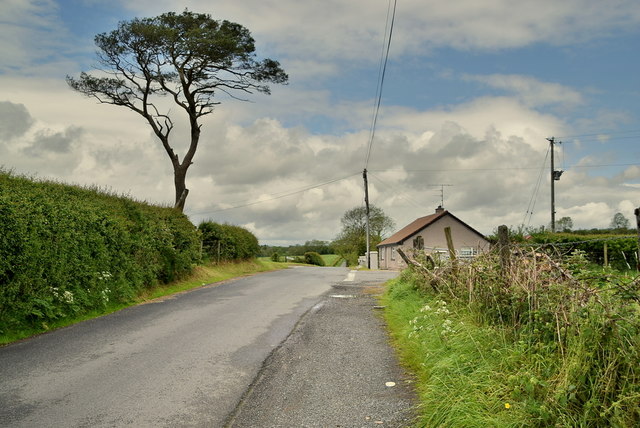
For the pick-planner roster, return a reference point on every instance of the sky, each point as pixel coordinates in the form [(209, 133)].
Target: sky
[(472, 91)]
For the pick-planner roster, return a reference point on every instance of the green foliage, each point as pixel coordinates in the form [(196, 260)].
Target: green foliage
[(553, 338), (320, 247), (275, 257), (66, 250), (565, 224), (225, 242), (619, 222), (352, 241), (621, 249), (312, 258)]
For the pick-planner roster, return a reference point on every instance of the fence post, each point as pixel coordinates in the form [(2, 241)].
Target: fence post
[(452, 250), (637, 213), (503, 246)]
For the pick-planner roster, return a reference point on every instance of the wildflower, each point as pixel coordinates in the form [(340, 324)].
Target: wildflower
[(68, 296), (507, 405), (426, 308), (104, 275)]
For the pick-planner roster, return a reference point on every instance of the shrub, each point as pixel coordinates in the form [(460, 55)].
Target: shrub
[(224, 242), (313, 258), (65, 250)]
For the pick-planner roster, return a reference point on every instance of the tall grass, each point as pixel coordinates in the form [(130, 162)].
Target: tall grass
[(541, 342)]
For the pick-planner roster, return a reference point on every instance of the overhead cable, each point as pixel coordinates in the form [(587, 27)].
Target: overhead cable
[(381, 76), (275, 196)]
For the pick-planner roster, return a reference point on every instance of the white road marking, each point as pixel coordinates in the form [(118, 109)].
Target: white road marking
[(350, 276)]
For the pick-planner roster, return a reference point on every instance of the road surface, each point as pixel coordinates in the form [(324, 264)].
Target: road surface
[(183, 361)]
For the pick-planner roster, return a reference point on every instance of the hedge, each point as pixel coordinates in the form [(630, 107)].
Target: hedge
[(66, 250), (225, 242), (621, 249)]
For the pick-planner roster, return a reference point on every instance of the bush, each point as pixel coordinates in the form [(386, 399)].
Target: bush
[(65, 250), (621, 249), (224, 242), (313, 258)]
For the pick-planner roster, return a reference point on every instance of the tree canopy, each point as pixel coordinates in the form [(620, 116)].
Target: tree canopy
[(351, 242), (189, 58), (565, 224), (619, 221)]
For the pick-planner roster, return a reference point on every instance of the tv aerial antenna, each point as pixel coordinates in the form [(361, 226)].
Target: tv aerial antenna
[(441, 193)]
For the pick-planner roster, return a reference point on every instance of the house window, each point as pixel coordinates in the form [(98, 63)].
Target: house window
[(418, 243), (440, 253), (382, 251), (393, 254), (468, 252)]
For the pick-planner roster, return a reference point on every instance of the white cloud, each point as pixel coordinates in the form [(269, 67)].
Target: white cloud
[(531, 91), (354, 30)]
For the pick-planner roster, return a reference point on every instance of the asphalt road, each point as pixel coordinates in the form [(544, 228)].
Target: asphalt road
[(184, 361), (217, 356), (336, 369)]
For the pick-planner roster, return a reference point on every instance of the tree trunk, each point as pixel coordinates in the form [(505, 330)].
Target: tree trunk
[(179, 179)]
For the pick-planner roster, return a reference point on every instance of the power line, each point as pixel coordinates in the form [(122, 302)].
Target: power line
[(380, 82), (600, 134), (278, 195), (534, 196), (399, 193), (500, 169)]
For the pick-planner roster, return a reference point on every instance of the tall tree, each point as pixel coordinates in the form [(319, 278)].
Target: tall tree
[(619, 221), (351, 242), (189, 58), (565, 224)]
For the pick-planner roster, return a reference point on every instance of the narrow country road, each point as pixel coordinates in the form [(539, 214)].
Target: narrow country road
[(182, 361)]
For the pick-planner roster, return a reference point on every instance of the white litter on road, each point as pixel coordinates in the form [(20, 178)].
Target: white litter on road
[(343, 296)]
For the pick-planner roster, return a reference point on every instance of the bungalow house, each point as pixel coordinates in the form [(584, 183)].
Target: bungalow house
[(427, 234)]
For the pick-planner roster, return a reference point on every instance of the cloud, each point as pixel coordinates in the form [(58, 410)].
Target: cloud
[(47, 141), (15, 120), (354, 30), (531, 91), (289, 165)]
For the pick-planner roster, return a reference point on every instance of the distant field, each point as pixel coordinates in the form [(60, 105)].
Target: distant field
[(330, 259)]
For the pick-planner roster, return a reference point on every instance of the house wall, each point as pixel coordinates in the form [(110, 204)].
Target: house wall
[(434, 238)]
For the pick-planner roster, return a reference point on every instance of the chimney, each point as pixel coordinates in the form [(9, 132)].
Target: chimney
[(439, 209)]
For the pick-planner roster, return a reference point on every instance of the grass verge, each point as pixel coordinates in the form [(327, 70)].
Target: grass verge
[(202, 275), (462, 370)]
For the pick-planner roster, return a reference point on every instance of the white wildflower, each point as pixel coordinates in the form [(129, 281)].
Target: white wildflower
[(68, 296)]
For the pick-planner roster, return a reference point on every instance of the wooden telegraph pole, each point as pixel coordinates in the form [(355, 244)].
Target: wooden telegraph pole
[(555, 176), (637, 213), (368, 227)]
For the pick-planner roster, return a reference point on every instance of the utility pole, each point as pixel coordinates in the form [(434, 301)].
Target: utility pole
[(366, 203), (555, 176)]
